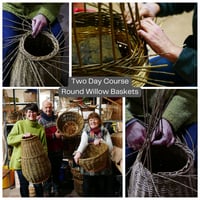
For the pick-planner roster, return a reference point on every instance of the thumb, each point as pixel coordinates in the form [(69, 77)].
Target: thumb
[(33, 27)]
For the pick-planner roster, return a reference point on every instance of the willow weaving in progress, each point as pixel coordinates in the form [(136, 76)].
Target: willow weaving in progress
[(104, 44)]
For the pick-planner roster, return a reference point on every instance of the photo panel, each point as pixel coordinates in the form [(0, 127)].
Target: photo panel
[(83, 137), (35, 44), (161, 143)]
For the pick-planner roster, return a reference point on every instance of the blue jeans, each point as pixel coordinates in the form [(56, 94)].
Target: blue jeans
[(24, 186), (12, 27)]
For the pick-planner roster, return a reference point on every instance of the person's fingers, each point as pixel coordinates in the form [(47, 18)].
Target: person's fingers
[(147, 24), (143, 34), (165, 141), (162, 141), (171, 142), (39, 28), (136, 143)]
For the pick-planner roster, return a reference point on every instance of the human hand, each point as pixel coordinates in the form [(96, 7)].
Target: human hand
[(135, 135), (38, 23), (58, 134), (27, 135), (163, 135), (97, 141), (145, 10), (158, 40), (77, 156)]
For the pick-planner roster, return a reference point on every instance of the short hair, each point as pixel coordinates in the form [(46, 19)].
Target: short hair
[(95, 115), (47, 101), (32, 106)]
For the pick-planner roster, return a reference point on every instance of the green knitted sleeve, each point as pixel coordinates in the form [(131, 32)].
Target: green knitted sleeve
[(182, 109)]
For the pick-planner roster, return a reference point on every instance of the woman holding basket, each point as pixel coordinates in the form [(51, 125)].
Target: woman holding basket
[(95, 184)]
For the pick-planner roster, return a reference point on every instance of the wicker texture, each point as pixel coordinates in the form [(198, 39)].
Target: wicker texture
[(117, 139), (78, 186), (103, 43), (77, 179), (76, 173), (171, 173), (31, 66), (94, 158), (36, 166), (70, 123), (13, 117)]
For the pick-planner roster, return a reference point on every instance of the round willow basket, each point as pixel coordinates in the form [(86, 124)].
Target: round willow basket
[(36, 61), (117, 139), (70, 123), (94, 158), (103, 44), (170, 173), (35, 163)]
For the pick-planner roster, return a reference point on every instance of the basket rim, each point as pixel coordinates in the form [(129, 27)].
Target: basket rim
[(80, 125), (183, 170), (53, 53), (30, 138), (92, 158)]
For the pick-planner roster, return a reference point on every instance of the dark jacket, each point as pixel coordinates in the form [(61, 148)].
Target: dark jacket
[(186, 65)]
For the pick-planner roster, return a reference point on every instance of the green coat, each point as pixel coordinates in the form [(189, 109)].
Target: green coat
[(180, 112), (15, 136), (30, 10)]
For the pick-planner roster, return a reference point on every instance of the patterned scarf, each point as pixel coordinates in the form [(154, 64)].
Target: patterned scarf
[(94, 133)]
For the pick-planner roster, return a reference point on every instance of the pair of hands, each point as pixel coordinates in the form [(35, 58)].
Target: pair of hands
[(153, 33), (136, 135), (78, 154), (58, 134), (38, 23)]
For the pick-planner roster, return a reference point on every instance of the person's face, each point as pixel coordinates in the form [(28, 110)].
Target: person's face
[(47, 108), (31, 115), (93, 122)]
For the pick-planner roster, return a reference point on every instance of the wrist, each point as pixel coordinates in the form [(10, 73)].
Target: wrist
[(174, 54)]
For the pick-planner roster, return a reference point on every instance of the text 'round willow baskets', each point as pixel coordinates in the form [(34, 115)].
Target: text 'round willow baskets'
[(104, 44), (70, 123), (170, 173), (35, 163), (94, 158), (36, 61)]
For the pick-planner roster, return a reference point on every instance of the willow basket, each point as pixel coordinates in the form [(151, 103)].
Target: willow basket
[(13, 117), (36, 60), (76, 173), (117, 139), (78, 186), (70, 123), (169, 175), (103, 44), (35, 163), (94, 158)]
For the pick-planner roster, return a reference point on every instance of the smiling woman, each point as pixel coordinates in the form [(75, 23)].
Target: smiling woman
[(93, 153), (23, 129)]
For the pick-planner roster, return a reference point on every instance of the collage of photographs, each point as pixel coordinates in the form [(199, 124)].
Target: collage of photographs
[(99, 145)]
